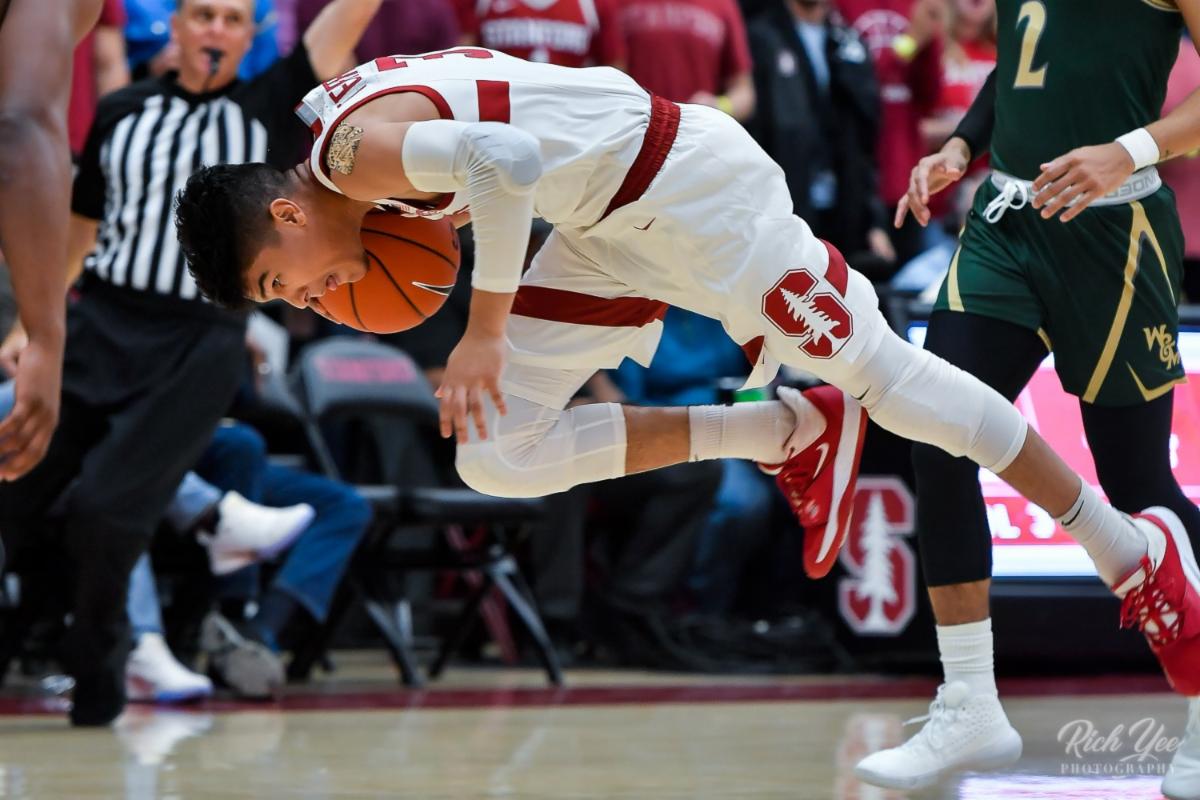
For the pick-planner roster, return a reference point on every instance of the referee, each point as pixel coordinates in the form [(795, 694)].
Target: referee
[(150, 367)]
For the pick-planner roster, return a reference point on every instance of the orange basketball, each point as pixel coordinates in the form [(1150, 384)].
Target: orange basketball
[(411, 266)]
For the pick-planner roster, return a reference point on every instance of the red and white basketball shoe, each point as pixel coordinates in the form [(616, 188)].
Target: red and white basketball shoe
[(819, 480), (1161, 596)]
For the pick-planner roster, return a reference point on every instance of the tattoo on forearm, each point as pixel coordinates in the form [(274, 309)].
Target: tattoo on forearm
[(343, 147)]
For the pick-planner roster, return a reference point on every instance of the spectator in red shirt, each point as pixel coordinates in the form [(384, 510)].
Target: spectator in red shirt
[(691, 51), (905, 38), (570, 33), (99, 68), (968, 58)]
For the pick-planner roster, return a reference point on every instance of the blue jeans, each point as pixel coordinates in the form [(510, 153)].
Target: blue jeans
[(738, 527), (237, 461), (145, 615)]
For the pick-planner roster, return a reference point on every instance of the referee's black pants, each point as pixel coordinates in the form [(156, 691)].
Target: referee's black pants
[(143, 391)]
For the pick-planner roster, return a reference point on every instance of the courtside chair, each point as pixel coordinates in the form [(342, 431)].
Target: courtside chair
[(376, 395)]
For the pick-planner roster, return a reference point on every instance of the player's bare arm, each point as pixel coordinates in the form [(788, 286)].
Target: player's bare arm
[(497, 166), (81, 241), (36, 41), (1074, 180), (333, 35)]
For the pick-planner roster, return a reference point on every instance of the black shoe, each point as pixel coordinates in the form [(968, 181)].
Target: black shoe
[(98, 699), (99, 674), (801, 643), (648, 640)]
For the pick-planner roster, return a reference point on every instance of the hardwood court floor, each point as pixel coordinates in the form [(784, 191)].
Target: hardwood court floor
[(611, 735)]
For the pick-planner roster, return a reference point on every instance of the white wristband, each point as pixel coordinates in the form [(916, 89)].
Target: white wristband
[(1141, 147)]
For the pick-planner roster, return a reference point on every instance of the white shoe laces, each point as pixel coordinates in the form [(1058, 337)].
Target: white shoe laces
[(938, 722), (1014, 195)]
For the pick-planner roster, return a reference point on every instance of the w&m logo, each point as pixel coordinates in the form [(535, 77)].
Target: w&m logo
[(1164, 340)]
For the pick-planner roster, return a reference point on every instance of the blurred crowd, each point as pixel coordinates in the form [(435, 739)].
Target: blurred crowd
[(691, 567)]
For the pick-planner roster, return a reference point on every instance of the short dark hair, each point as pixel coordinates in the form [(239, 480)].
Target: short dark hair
[(223, 220)]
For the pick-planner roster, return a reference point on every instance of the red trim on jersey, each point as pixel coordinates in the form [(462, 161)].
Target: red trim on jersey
[(835, 273), (434, 97), (560, 305), (494, 104), (660, 135), (753, 349)]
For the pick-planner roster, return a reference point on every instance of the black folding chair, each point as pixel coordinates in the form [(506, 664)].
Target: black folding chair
[(378, 394)]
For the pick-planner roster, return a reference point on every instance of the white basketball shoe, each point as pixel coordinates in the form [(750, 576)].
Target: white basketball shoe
[(1182, 781), (962, 732), (153, 674), (248, 532)]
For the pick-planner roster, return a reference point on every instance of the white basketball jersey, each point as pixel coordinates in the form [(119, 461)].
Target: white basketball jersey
[(589, 122)]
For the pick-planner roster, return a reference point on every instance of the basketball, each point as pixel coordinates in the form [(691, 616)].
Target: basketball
[(411, 267)]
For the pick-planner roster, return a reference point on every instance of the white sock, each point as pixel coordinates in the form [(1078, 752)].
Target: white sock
[(756, 431), (1111, 540), (966, 652)]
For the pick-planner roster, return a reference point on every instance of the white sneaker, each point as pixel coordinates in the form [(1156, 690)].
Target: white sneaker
[(963, 732), (152, 674), (248, 532), (1182, 781)]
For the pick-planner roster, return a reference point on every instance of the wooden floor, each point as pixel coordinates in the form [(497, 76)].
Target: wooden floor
[(611, 735)]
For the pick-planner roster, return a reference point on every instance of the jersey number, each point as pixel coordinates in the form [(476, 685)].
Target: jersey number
[(400, 62), (1033, 14)]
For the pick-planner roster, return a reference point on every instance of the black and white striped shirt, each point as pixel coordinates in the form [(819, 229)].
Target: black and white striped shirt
[(148, 138)]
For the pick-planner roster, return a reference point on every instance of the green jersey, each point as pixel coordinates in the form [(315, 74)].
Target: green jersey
[(1071, 73)]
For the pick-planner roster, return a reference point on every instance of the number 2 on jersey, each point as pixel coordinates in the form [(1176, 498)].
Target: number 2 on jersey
[(1033, 14)]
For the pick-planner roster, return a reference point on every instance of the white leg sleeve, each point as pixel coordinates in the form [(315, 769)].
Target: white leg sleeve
[(535, 450), (919, 396)]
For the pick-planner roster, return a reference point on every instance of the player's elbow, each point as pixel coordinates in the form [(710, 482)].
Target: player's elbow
[(513, 155), (24, 138)]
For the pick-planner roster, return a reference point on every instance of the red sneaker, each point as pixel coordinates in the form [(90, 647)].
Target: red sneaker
[(819, 480), (1163, 600)]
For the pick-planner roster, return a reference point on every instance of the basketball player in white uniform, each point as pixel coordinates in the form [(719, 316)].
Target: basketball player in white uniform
[(652, 203)]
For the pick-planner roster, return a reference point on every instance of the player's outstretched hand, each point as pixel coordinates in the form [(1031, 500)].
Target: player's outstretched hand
[(25, 433), (931, 174), (472, 371), (1079, 178)]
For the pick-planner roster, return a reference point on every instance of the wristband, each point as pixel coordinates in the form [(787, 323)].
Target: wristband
[(905, 47), (1141, 147), (725, 104)]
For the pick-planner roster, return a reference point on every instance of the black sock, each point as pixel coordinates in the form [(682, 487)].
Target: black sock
[(232, 608), (208, 520)]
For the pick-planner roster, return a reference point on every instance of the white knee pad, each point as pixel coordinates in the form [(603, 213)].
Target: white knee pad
[(919, 396), (534, 450)]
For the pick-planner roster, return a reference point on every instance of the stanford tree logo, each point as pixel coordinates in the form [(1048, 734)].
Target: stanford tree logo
[(879, 597), (796, 307)]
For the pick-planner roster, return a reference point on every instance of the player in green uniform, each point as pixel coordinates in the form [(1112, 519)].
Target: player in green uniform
[(1073, 244)]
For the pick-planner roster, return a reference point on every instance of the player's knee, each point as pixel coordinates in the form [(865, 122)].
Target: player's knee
[(484, 467), (921, 397)]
